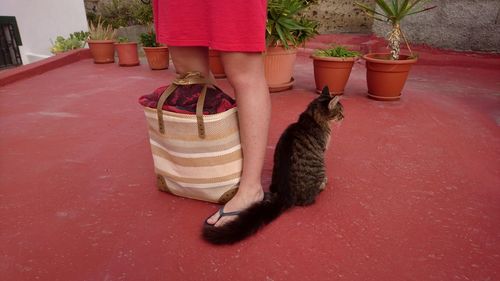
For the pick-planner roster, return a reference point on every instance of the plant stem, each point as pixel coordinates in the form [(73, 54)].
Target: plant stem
[(395, 41)]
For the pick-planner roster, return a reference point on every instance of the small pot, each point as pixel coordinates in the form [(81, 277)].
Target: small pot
[(278, 64), (215, 62), (158, 57), (385, 77), (127, 54), (103, 51), (332, 72)]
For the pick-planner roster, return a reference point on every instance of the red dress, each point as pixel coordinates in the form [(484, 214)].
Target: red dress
[(224, 25)]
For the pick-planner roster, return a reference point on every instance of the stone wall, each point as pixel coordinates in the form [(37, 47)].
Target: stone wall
[(341, 16), (455, 24), (91, 5), (132, 33)]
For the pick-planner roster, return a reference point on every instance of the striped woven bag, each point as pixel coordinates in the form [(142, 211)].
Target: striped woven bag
[(195, 155)]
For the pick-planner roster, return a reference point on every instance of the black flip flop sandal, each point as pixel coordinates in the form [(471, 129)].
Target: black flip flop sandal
[(221, 215)]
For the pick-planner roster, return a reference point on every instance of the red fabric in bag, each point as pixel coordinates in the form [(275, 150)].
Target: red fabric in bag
[(184, 99)]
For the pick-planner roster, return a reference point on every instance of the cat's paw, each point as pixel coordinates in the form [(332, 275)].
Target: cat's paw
[(323, 184)]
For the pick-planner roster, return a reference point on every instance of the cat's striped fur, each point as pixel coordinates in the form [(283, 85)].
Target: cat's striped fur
[(298, 175)]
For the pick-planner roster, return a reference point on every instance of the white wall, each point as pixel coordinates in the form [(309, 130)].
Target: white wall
[(41, 21)]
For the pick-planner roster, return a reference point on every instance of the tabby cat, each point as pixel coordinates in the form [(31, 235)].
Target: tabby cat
[(298, 174)]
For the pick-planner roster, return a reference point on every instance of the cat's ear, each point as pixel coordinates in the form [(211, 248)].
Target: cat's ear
[(325, 92), (333, 102)]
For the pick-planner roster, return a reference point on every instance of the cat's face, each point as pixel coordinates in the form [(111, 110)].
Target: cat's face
[(326, 107), (335, 109)]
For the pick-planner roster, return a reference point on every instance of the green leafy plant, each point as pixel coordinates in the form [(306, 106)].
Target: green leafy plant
[(122, 39), (149, 39), (62, 45), (80, 35), (285, 26), (76, 40), (393, 11), (143, 13), (337, 52), (100, 31)]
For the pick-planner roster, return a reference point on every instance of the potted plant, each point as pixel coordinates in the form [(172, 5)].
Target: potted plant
[(332, 68), (101, 42), (285, 31), (387, 72), (157, 55), (215, 64), (127, 52)]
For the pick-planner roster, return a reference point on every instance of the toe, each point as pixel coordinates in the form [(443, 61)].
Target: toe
[(213, 219), (223, 221)]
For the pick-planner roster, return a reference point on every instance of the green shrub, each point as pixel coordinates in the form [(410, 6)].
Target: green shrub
[(92, 17), (80, 35), (149, 39), (122, 39), (143, 13), (121, 13), (338, 52), (76, 40)]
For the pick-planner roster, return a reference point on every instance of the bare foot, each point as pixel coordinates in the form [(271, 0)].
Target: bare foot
[(242, 200)]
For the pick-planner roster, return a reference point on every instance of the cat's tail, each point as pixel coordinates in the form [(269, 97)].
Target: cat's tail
[(248, 221)]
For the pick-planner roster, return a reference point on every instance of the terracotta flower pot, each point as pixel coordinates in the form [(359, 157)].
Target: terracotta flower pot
[(127, 54), (216, 64), (103, 51), (278, 63), (158, 57), (386, 78), (332, 72)]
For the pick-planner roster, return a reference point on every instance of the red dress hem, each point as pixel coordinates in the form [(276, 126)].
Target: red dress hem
[(219, 46), (223, 25)]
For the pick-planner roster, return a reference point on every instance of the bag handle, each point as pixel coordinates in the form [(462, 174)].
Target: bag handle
[(190, 78)]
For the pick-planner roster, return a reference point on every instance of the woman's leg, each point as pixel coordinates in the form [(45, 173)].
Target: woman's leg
[(245, 72), (191, 59)]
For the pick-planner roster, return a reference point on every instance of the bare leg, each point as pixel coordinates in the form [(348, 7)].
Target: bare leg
[(245, 72), (191, 59)]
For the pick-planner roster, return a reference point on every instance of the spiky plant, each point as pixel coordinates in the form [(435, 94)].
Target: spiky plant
[(100, 31), (393, 11), (285, 25)]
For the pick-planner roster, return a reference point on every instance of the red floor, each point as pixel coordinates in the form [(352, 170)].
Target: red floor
[(414, 190)]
